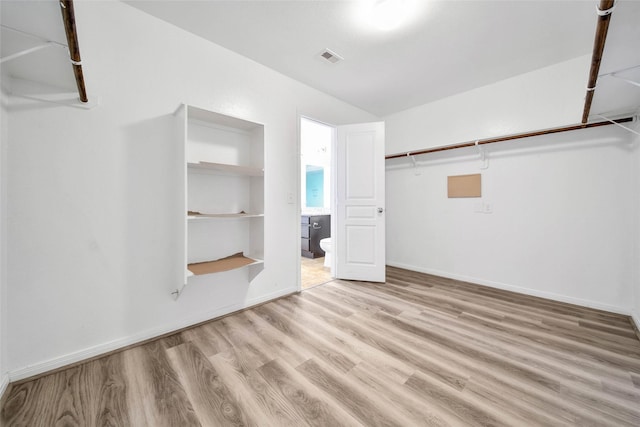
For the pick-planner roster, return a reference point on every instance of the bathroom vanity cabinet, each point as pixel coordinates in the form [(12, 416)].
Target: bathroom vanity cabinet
[(313, 229)]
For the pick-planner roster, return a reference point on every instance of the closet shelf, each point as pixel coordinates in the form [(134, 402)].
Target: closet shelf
[(226, 169), (204, 217), (232, 262)]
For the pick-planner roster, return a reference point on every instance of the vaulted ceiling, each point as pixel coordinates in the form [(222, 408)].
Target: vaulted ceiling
[(443, 48)]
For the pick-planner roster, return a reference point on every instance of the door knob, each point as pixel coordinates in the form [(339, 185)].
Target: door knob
[(380, 210)]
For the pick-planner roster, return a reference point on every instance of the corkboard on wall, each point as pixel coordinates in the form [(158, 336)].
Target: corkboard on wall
[(464, 186)]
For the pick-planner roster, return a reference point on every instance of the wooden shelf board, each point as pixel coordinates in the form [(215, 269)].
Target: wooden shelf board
[(227, 169), (223, 264)]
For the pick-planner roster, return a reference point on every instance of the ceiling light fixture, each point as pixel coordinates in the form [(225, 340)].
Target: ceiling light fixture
[(387, 15)]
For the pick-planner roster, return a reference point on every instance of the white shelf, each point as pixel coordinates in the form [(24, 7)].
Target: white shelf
[(225, 169), (217, 119), (205, 217)]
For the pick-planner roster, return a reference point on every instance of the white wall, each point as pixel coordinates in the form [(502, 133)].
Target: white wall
[(92, 223), (3, 141), (564, 207), (562, 210), (636, 259), (3, 301), (542, 99)]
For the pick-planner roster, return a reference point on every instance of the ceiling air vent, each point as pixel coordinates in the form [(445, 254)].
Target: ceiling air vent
[(331, 56)]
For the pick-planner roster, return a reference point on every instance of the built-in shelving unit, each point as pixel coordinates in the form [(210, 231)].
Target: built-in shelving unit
[(224, 193)]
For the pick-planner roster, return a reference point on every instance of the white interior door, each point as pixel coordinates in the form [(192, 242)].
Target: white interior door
[(360, 218)]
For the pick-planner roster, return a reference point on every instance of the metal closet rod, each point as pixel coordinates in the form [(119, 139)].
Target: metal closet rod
[(509, 138), (69, 18), (602, 28)]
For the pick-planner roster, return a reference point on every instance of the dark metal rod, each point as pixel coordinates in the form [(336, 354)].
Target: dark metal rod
[(602, 28), (508, 138), (598, 47), (68, 16)]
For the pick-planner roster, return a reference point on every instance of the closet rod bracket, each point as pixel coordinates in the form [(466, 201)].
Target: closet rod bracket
[(605, 12), (484, 158), (416, 171)]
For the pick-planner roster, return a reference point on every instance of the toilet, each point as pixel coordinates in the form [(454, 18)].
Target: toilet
[(327, 247)]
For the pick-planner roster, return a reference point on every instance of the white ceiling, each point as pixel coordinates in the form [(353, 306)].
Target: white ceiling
[(447, 47)]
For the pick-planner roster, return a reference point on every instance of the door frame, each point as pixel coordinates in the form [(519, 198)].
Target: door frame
[(334, 187)]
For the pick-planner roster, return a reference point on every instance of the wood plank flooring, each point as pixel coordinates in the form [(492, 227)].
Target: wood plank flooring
[(313, 272), (417, 350)]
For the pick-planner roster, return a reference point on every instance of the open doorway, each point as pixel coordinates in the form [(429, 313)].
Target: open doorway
[(316, 202)]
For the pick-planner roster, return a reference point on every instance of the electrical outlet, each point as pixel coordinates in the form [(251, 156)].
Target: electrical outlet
[(290, 199)]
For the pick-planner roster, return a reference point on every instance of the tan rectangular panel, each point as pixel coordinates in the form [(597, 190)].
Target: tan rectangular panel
[(464, 186)]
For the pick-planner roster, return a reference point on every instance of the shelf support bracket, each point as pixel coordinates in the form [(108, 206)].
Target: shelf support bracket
[(26, 52), (614, 75), (618, 124)]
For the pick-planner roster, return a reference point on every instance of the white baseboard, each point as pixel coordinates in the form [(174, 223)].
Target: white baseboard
[(635, 318), (518, 289), (91, 352), (4, 382)]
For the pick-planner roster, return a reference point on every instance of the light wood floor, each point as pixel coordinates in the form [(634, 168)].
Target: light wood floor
[(418, 350), (313, 272)]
